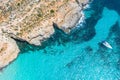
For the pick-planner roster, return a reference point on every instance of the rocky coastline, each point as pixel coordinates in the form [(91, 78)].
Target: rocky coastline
[(32, 21)]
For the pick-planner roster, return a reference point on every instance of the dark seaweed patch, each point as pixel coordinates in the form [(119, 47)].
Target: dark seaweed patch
[(113, 4), (88, 49)]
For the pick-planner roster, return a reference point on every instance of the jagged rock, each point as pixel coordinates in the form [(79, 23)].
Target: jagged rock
[(32, 21)]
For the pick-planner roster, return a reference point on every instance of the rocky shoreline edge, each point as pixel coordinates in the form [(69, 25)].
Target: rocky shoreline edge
[(9, 49)]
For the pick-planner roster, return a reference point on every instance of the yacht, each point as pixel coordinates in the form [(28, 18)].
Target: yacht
[(105, 43)]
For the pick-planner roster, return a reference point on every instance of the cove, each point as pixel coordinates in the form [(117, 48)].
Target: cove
[(74, 61)]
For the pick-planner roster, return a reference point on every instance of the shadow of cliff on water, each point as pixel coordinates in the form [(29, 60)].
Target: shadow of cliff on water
[(59, 37), (77, 35)]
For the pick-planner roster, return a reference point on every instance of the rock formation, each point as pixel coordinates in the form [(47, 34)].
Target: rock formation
[(32, 21), (8, 50)]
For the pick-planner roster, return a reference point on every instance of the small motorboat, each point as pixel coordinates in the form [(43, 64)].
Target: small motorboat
[(105, 43)]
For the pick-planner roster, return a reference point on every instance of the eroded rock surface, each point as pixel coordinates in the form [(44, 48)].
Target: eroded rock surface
[(8, 50), (32, 21)]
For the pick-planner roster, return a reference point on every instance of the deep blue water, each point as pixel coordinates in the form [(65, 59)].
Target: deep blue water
[(76, 56)]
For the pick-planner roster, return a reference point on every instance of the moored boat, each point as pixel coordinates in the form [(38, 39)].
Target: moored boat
[(106, 44)]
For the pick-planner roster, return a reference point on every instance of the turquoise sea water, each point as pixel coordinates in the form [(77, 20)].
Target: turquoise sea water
[(77, 56)]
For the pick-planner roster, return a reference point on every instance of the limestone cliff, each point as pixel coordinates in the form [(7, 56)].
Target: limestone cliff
[(8, 50), (32, 20)]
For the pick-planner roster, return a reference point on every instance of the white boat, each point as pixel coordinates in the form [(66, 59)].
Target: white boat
[(105, 43)]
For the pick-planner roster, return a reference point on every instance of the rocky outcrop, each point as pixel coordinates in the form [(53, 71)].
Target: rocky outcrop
[(8, 50), (32, 20)]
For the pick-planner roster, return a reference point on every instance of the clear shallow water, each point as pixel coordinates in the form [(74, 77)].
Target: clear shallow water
[(80, 58)]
